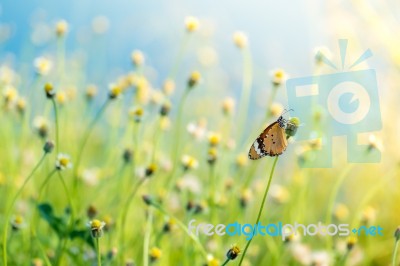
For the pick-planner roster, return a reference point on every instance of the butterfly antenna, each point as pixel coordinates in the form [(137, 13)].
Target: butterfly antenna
[(286, 111)]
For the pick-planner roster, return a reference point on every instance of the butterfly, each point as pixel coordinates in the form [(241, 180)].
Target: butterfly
[(272, 141)]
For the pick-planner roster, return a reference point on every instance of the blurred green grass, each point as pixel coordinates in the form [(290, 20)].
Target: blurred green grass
[(368, 194)]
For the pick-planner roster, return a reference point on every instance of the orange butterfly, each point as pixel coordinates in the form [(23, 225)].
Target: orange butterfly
[(272, 141)]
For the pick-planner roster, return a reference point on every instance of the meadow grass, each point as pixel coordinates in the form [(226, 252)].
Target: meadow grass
[(132, 165)]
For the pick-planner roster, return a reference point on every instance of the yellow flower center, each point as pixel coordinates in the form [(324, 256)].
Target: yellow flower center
[(213, 262), (155, 253), (192, 24), (212, 152), (18, 219), (279, 74), (214, 139), (236, 249), (191, 162), (96, 224), (116, 90), (195, 76), (139, 112), (48, 87), (64, 162)]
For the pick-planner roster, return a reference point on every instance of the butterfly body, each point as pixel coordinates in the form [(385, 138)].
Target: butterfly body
[(271, 142)]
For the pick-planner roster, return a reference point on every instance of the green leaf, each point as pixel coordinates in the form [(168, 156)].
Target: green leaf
[(84, 235), (56, 223)]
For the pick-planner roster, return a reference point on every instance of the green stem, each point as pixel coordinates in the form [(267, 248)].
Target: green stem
[(175, 147), (61, 57), (178, 124), (67, 193), (124, 214), (84, 141), (42, 187), (267, 116), (246, 90), (261, 208), (120, 177), (156, 139), (226, 262), (396, 247), (135, 134), (344, 258), (60, 252), (42, 250), (98, 251), (57, 125), (35, 218), (212, 193), (8, 213), (271, 101), (331, 202), (181, 52), (182, 226), (146, 244)]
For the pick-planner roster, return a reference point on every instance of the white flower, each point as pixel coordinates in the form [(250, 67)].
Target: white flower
[(240, 39), (279, 193), (190, 183), (197, 130), (63, 162), (301, 253), (42, 66), (96, 228), (374, 143), (10, 94), (91, 176), (320, 258), (276, 109), (7, 75), (189, 162), (41, 125), (278, 76), (191, 23), (137, 58)]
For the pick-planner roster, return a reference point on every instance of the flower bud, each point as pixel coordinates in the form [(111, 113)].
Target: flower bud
[(49, 90), (397, 234), (147, 199), (127, 155), (351, 242), (212, 156), (112, 253), (155, 254), (292, 126), (61, 28), (165, 109), (150, 170), (114, 91), (48, 146), (233, 252), (91, 92), (194, 79), (91, 212)]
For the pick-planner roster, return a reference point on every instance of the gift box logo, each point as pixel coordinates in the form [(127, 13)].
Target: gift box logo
[(348, 103)]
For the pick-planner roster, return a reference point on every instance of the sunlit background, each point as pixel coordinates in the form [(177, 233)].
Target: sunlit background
[(282, 37)]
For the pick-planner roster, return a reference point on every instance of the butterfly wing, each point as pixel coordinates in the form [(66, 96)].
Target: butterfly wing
[(257, 149), (272, 142), (275, 142)]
